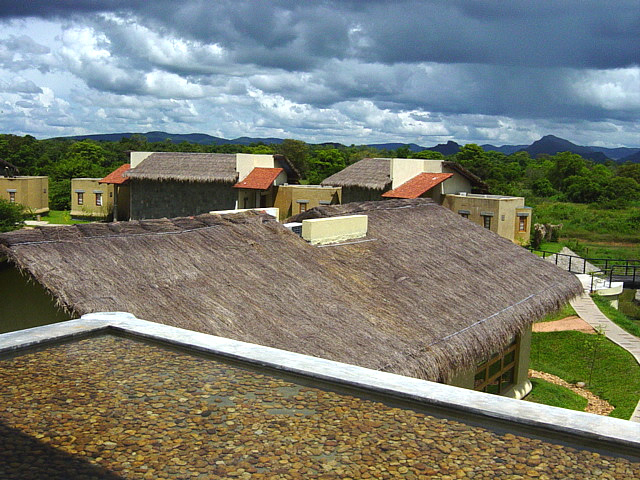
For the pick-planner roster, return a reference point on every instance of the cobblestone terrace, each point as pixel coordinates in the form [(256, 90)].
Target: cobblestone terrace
[(111, 407)]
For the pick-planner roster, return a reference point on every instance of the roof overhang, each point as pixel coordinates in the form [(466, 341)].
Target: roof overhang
[(117, 176)]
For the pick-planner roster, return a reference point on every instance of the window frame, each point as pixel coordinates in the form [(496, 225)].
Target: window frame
[(80, 198), (489, 375), (486, 221), (12, 197), (98, 199)]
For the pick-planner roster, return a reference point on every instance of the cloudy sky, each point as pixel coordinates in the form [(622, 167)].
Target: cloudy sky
[(352, 71)]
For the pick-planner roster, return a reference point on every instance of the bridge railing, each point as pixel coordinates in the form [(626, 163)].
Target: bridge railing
[(577, 264)]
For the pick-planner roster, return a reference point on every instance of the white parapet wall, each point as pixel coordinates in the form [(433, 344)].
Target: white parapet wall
[(334, 229)]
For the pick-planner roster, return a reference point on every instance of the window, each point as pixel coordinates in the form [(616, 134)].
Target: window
[(522, 224), (486, 221), (98, 199), (464, 213), (303, 207), (80, 198), (12, 197), (499, 372)]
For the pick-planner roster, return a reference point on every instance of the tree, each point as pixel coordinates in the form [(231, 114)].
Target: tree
[(11, 216), (428, 155), (325, 163), (297, 152)]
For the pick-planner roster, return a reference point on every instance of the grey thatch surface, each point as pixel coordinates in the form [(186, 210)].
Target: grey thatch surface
[(428, 295), (374, 173), (189, 167)]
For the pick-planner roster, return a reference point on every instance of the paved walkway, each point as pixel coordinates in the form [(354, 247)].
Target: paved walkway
[(589, 312)]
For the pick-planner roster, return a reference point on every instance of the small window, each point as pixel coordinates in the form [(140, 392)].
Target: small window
[(522, 224), (486, 221), (98, 199), (80, 198), (303, 207), (464, 215), (498, 373), (12, 197), (110, 194)]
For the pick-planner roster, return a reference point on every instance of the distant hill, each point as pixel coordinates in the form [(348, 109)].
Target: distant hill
[(394, 146), (449, 148), (633, 158), (550, 145), (506, 149)]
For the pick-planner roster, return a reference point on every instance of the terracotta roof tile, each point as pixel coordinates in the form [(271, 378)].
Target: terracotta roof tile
[(117, 176), (260, 178), (418, 185)]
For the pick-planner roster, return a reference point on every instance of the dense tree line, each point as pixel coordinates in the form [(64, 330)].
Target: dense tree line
[(562, 177)]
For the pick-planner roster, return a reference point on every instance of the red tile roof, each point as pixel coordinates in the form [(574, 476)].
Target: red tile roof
[(117, 176), (260, 178), (418, 185)]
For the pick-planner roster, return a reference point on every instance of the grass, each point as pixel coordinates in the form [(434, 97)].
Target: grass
[(61, 217), (617, 317), (615, 376), (628, 306), (549, 393), (564, 312)]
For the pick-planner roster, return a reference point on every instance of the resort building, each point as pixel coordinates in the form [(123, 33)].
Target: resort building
[(91, 199), (171, 184), (409, 288), (30, 192), (445, 182)]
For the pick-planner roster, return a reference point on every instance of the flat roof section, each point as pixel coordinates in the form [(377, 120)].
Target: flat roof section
[(121, 407)]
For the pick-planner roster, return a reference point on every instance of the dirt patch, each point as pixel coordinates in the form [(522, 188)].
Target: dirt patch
[(568, 323), (594, 403)]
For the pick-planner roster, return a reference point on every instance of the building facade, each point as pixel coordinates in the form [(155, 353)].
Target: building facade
[(30, 192), (90, 198)]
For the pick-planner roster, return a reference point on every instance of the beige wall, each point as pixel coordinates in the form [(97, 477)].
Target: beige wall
[(136, 158), (292, 199), (334, 229), (404, 169), (502, 210), (30, 192), (89, 187), (245, 162)]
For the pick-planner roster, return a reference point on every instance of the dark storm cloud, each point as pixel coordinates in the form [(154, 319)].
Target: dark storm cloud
[(294, 35)]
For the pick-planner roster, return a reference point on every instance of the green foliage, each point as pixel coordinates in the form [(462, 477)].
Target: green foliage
[(60, 194), (616, 377), (325, 163), (548, 393), (61, 217), (297, 152), (11, 215), (564, 312)]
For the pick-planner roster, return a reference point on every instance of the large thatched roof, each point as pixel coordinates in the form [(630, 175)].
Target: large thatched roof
[(189, 167), (374, 173), (427, 294)]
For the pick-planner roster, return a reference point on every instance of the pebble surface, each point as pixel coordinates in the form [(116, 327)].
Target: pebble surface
[(115, 408)]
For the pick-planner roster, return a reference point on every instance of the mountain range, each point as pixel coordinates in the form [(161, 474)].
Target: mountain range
[(549, 145)]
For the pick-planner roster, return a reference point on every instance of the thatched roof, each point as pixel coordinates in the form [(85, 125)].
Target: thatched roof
[(374, 173), (187, 167), (427, 294), (481, 187)]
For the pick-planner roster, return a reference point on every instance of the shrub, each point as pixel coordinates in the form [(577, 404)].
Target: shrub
[(11, 216)]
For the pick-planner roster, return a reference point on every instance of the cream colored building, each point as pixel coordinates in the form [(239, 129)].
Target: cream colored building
[(91, 199), (30, 192), (294, 199), (504, 215)]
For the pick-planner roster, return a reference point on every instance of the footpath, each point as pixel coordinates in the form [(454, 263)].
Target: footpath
[(590, 313)]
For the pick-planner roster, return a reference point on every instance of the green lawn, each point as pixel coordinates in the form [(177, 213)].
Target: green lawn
[(61, 217), (615, 376), (548, 393), (617, 317), (628, 306), (564, 312)]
